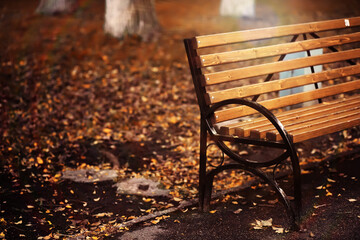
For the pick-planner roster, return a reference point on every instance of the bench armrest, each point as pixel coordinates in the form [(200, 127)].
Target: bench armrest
[(252, 104)]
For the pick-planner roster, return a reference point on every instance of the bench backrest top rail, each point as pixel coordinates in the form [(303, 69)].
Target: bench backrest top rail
[(271, 32), (207, 60)]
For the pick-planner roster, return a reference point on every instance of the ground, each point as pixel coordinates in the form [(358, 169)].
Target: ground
[(72, 97)]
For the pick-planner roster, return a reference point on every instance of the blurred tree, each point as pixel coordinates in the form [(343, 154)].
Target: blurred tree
[(131, 17), (55, 6), (237, 8)]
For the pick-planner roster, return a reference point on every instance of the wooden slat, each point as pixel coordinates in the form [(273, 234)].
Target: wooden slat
[(274, 67), (243, 128), (335, 127), (302, 121), (236, 112), (281, 84), (279, 49), (318, 129), (265, 33)]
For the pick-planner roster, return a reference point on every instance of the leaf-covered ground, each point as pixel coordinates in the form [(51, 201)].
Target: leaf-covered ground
[(72, 97)]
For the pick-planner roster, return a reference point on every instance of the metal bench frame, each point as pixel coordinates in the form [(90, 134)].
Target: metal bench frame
[(208, 132)]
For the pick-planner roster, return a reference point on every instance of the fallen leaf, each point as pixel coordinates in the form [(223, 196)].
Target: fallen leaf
[(238, 211), (330, 180), (147, 199), (267, 223), (319, 206), (259, 224), (156, 221), (213, 211), (273, 201), (279, 230), (106, 214), (352, 200), (39, 160)]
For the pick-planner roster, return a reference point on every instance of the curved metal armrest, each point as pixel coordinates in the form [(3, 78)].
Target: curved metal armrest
[(252, 104)]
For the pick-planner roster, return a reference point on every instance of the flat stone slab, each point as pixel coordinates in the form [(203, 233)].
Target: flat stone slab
[(149, 233), (90, 175), (140, 186)]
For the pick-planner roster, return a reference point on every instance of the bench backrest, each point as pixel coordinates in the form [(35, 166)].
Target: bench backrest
[(245, 64)]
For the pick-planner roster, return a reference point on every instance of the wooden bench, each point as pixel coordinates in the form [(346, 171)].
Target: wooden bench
[(236, 79)]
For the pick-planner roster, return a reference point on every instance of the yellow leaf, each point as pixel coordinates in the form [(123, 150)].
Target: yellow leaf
[(156, 221), (147, 199), (173, 119), (177, 199), (39, 160), (213, 211), (107, 130)]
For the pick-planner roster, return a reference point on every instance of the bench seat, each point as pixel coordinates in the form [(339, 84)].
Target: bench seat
[(302, 123)]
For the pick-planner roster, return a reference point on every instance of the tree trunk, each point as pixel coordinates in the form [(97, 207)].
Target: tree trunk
[(55, 6), (237, 8), (131, 17)]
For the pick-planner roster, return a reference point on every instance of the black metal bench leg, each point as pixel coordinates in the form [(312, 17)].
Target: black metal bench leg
[(207, 192), (202, 168), (297, 184)]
